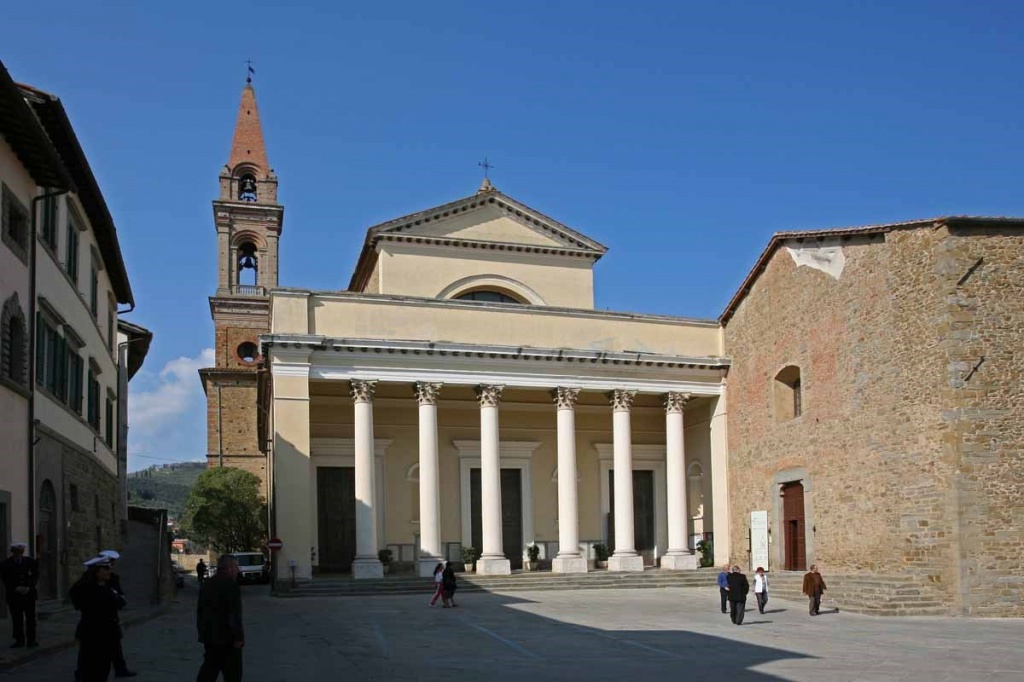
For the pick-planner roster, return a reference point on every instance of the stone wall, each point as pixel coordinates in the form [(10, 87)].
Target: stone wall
[(908, 474), (231, 408)]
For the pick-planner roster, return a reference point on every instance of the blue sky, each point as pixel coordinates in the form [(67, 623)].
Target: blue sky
[(680, 134)]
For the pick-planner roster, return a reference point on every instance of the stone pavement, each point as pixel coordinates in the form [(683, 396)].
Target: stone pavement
[(672, 633)]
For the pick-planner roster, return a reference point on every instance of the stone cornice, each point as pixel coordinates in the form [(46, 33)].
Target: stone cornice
[(508, 247)]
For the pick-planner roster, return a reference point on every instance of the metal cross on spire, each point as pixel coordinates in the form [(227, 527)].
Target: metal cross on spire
[(487, 167), (250, 72)]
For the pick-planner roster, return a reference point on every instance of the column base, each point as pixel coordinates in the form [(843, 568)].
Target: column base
[(425, 567), (569, 564), (367, 568), (679, 562), (493, 566), (626, 562)]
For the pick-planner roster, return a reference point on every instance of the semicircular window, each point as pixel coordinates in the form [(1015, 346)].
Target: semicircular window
[(487, 296), (248, 352)]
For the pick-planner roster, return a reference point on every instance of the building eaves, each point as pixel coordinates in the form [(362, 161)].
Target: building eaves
[(139, 340), (58, 126), (779, 238), (24, 133)]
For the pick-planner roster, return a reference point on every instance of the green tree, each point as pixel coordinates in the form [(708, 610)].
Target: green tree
[(225, 511)]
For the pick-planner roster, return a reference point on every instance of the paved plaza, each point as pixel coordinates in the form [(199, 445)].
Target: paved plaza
[(579, 635)]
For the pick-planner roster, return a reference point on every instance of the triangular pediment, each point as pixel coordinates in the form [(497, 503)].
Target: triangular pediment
[(488, 216)]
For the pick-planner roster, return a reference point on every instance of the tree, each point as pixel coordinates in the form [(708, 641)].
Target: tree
[(226, 511)]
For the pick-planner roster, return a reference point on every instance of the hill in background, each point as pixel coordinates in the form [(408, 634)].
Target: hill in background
[(164, 486)]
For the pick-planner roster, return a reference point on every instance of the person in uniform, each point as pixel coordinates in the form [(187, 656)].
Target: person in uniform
[(99, 631), (120, 665), (219, 621), (20, 574)]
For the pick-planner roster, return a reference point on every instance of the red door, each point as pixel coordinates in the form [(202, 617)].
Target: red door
[(794, 544)]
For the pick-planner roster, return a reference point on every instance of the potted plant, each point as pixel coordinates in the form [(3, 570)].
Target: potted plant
[(384, 556), (601, 555), (706, 549), (468, 558), (533, 557)]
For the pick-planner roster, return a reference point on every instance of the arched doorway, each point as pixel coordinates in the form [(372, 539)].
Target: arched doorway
[(46, 548)]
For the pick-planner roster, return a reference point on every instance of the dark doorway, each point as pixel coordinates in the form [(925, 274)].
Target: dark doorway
[(511, 514), (336, 514), (643, 514), (793, 527), (46, 542)]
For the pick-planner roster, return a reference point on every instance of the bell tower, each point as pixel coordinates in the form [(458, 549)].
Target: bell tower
[(248, 222)]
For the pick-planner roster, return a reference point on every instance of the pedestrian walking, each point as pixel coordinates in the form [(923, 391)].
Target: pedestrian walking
[(760, 588), (201, 571), (219, 621), (98, 631), (723, 587), (439, 586), (738, 588), (814, 587), (120, 665), (20, 574), (448, 584)]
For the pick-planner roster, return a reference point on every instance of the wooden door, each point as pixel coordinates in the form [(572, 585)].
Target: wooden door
[(511, 515), (794, 532), (643, 514), (336, 514)]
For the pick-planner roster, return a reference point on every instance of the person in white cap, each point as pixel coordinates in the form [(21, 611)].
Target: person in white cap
[(20, 574), (120, 665), (99, 631)]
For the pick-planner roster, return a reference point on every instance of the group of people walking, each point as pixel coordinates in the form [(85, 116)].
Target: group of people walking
[(733, 588), (444, 585)]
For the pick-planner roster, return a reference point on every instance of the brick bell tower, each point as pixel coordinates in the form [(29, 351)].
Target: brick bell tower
[(248, 221)]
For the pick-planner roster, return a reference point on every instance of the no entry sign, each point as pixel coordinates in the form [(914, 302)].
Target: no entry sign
[(275, 544)]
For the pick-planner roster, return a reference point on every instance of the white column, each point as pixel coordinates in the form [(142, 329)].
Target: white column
[(720, 481), (430, 488), (679, 556), (625, 557), (569, 559), (366, 563), (492, 559)]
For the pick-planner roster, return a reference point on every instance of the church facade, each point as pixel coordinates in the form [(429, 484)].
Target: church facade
[(463, 392)]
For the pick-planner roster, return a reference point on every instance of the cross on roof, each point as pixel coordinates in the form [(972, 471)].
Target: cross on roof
[(486, 166), (250, 72)]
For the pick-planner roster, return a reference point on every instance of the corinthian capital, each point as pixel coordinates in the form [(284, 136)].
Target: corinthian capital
[(426, 392), (362, 391), (676, 402), (489, 395), (565, 398), (621, 400)]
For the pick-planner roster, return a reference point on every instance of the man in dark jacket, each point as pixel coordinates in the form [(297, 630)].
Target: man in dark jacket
[(120, 665), (20, 574), (814, 587), (738, 588), (219, 621)]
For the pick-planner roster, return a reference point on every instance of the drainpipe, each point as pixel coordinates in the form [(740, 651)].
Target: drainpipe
[(31, 360)]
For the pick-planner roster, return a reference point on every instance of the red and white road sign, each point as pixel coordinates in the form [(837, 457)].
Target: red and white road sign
[(275, 544)]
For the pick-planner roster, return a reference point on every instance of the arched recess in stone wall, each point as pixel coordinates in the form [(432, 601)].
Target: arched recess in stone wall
[(499, 283)]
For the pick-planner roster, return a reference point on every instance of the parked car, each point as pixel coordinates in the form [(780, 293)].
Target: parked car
[(179, 573), (253, 567)]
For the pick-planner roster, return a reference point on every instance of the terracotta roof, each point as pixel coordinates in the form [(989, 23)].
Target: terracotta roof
[(61, 133), (779, 237), (23, 132), (247, 146)]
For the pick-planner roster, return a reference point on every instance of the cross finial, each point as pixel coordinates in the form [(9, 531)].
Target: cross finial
[(487, 167), (250, 72)]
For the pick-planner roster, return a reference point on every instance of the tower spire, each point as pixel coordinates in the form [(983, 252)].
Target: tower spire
[(247, 145)]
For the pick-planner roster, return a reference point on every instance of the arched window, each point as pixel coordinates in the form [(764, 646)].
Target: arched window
[(248, 264), (788, 394), (13, 343), (247, 187), (487, 296)]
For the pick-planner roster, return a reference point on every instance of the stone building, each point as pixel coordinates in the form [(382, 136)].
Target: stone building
[(857, 405), (876, 408), (63, 278)]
